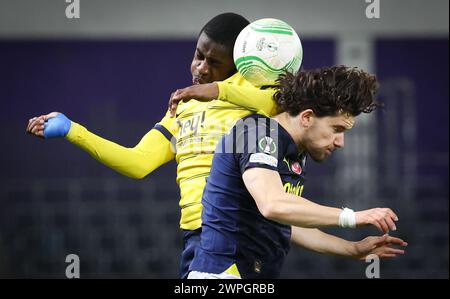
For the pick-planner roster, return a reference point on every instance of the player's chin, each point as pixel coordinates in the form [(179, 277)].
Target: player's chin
[(319, 157)]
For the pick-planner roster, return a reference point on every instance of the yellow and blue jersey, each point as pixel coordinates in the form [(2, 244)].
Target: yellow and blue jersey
[(235, 235)]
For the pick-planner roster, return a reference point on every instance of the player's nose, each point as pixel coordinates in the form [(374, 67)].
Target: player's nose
[(203, 68), (339, 140)]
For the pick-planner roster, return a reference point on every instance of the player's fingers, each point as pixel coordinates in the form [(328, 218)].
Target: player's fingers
[(396, 241), (173, 109), (375, 223), (385, 225), (40, 133), (28, 126), (391, 250), (392, 214), (36, 123), (32, 126), (171, 105), (179, 94), (30, 123), (50, 115), (35, 129), (387, 255), (31, 120), (390, 222), (184, 95), (170, 98), (382, 217), (381, 225), (379, 240), (38, 120)]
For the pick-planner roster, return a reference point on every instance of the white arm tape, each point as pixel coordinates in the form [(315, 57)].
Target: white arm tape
[(347, 218)]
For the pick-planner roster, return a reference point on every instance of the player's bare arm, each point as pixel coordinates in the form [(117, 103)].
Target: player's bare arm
[(274, 203), (321, 242)]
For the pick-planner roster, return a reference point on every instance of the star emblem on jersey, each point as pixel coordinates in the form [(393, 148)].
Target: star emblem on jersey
[(267, 145)]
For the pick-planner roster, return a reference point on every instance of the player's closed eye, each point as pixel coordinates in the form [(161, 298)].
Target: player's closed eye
[(214, 62), (199, 55), (338, 129)]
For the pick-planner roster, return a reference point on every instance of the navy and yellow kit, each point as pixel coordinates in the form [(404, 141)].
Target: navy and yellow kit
[(235, 236), (198, 128), (190, 138)]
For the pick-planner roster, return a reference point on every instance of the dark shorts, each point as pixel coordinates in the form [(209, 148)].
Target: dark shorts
[(191, 239)]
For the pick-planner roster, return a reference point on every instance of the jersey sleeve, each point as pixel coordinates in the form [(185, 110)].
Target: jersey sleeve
[(253, 98), (262, 147), (168, 127), (154, 149)]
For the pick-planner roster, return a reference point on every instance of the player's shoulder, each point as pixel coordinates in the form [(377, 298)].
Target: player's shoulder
[(238, 80), (256, 125), (257, 120)]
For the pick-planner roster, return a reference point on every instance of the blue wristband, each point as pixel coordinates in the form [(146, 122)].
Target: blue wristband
[(57, 126)]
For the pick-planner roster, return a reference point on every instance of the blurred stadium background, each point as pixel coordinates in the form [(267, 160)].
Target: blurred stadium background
[(113, 70)]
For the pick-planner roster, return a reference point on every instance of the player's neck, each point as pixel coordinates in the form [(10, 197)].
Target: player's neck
[(290, 124)]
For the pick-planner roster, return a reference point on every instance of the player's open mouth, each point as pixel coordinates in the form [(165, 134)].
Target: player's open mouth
[(196, 81)]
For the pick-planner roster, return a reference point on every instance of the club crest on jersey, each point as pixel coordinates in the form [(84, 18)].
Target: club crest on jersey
[(267, 145), (296, 168)]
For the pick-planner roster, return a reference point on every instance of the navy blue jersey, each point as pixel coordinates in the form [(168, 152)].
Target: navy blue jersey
[(233, 229)]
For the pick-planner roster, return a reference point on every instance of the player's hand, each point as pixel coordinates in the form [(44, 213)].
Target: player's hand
[(201, 92), (382, 218), (383, 246), (51, 125)]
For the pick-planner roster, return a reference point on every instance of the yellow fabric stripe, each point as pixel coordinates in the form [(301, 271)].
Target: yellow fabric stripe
[(233, 270)]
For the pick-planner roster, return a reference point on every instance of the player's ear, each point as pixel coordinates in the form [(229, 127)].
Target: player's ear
[(306, 118)]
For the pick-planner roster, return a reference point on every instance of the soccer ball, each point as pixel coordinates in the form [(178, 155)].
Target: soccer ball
[(265, 49)]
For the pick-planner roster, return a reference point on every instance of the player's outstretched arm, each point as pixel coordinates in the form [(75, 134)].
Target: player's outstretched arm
[(274, 203), (321, 242), (153, 150)]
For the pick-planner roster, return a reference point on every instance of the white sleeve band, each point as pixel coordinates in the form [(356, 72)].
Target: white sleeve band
[(263, 158), (347, 218)]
